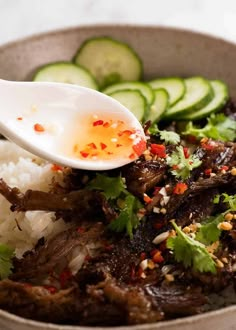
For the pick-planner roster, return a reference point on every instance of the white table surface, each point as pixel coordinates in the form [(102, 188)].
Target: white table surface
[(20, 18)]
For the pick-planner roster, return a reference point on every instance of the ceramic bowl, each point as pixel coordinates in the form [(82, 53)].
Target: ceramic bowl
[(165, 52)]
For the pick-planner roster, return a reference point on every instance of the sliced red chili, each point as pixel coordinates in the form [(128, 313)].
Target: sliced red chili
[(157, 257), (56, 168), (92, 145), (39, 128), (186, 152), (103, 146), (98, 122), (84, 154), (159, 150), (140, 147), (180, 188), (224, 168), (208, 171), (51, 289), (143, 255)]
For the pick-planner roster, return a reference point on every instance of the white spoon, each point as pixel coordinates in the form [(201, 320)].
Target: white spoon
[(69, 125)]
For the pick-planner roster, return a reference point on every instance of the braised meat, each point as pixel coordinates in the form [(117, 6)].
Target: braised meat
[(121, 259)]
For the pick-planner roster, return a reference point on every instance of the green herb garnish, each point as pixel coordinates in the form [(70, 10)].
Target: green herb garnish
[(209, 231), (218, 127), (6, 255), (190, 252), (182, 166), (167, 136), (127, 205)]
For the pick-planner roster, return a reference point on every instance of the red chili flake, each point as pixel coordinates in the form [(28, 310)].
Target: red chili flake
[(140, 147), (156, 191), (103, 146), (208, 171), (186, 152), (192, 139), (92, 145), (56, 168), (39, 128), (125, 132), (64, 277), (106, 124), (190, 163), (158, 225), (109, 153), (157, 257), (19, 118), (88, 258), (180, 188), (132, 156), (84, 154), (175, 167), (147, 199), (207, 146), (51, 289), (153, 252), (224, 168), (108, 247), (162, 246), (98, 122), (118, 145), (143, 255), (159, 150), (80, 230)]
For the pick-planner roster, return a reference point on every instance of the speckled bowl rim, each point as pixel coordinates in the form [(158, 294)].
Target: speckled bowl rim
[(185, 321)]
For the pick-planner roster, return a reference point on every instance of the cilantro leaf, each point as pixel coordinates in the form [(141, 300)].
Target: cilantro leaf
[(183, 166), (190, 252), (111, 187), (218, 127), (167, 136), (127, 219), (6, 254), (209, 232)]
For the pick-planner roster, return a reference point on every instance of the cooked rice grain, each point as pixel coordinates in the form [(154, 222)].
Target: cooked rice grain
[(25, 171)]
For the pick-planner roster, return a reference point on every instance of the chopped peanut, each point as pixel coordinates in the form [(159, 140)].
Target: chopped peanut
[(225, 225)]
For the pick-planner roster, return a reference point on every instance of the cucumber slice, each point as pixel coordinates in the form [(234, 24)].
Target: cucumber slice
[(198, 94), (109, 60), (66, 72), (132, 100), (221, 95), (143, 88), (173, 85), (159, 105)]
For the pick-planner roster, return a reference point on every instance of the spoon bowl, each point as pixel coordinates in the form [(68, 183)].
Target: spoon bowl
[(66, 124)]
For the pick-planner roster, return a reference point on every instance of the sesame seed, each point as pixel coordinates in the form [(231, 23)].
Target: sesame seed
[(114, 139)]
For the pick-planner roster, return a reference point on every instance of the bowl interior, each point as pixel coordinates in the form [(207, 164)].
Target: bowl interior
[(165, 52)]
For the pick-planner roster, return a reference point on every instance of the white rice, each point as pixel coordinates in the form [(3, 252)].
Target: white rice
[(25, 171)]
